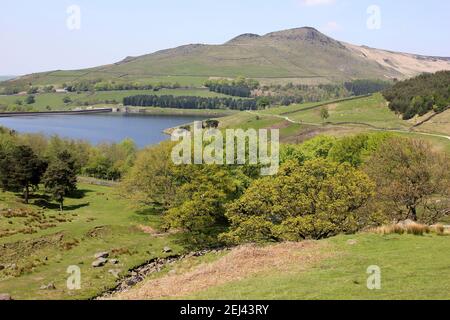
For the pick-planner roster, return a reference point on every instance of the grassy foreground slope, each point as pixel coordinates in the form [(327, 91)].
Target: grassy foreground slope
[(412, 267), (38, 245)]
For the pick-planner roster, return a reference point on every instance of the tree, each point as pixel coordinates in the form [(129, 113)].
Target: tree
[(33, 90), (67, 99), (324, 114), (201, 199), (409, 176), (30, 99), (311, 201), (263, 102), (21, 170), (150, 181), (212, 124), (356, 149), (60, 179)]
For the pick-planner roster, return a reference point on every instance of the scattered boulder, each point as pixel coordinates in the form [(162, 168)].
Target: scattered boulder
[(115, 272), (172, 272), (114, 261), (167, 250), (101, 255), (5, 297), (50, 286), (100, 262)]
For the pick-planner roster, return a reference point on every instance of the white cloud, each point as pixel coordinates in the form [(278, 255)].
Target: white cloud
[(313, 3)]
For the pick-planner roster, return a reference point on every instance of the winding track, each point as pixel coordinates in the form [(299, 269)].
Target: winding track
[(345, 127)]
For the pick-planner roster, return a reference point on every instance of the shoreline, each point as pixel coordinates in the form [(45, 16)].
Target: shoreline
[(47, 113), (212, 113)]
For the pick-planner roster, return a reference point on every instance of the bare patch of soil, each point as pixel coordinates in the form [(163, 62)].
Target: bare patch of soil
[(239, 264)]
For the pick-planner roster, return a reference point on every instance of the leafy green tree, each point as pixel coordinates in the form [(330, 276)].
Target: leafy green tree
[(263, 102), (67, 99), (21, 170), (33, 90), (356, 149), (324, 114), (151, 181), (30, 99), (318, 147), (311, 201), (60, 179), (410, 178), (201, 198)]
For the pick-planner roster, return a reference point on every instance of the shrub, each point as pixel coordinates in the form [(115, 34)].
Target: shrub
[(312, 201), (411, 228), (439, 229), (417, 229)]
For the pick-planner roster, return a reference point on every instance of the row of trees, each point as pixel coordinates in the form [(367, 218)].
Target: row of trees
[(108, 161), (120, 86), (190, 102), (324, 187), (100, 85), (420, 95), (363, 87), (235, 91), (240, 87)]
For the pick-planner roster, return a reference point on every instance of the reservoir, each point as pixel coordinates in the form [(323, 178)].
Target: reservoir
[(97, 128)]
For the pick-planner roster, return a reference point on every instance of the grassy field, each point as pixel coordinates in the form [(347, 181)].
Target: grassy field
[(440, 124), (55, 100), (301, 122), (38, 245), (371, 110), (412, 267)]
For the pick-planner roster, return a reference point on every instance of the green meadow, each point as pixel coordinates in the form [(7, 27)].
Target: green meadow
[(55, 101)]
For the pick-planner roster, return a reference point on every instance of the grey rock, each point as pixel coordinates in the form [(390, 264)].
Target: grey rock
[(172, 272), (50, 286), (99, 262), (167, 250), (114, 261), (115, 272), (100, 255)]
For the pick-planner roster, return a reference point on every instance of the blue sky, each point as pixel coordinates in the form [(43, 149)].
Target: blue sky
[(35, 37)]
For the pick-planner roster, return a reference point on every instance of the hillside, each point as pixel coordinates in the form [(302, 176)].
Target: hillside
[(301, 122), (302, 55)]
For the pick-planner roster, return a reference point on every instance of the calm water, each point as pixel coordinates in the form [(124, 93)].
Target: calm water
[(96, 128)]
